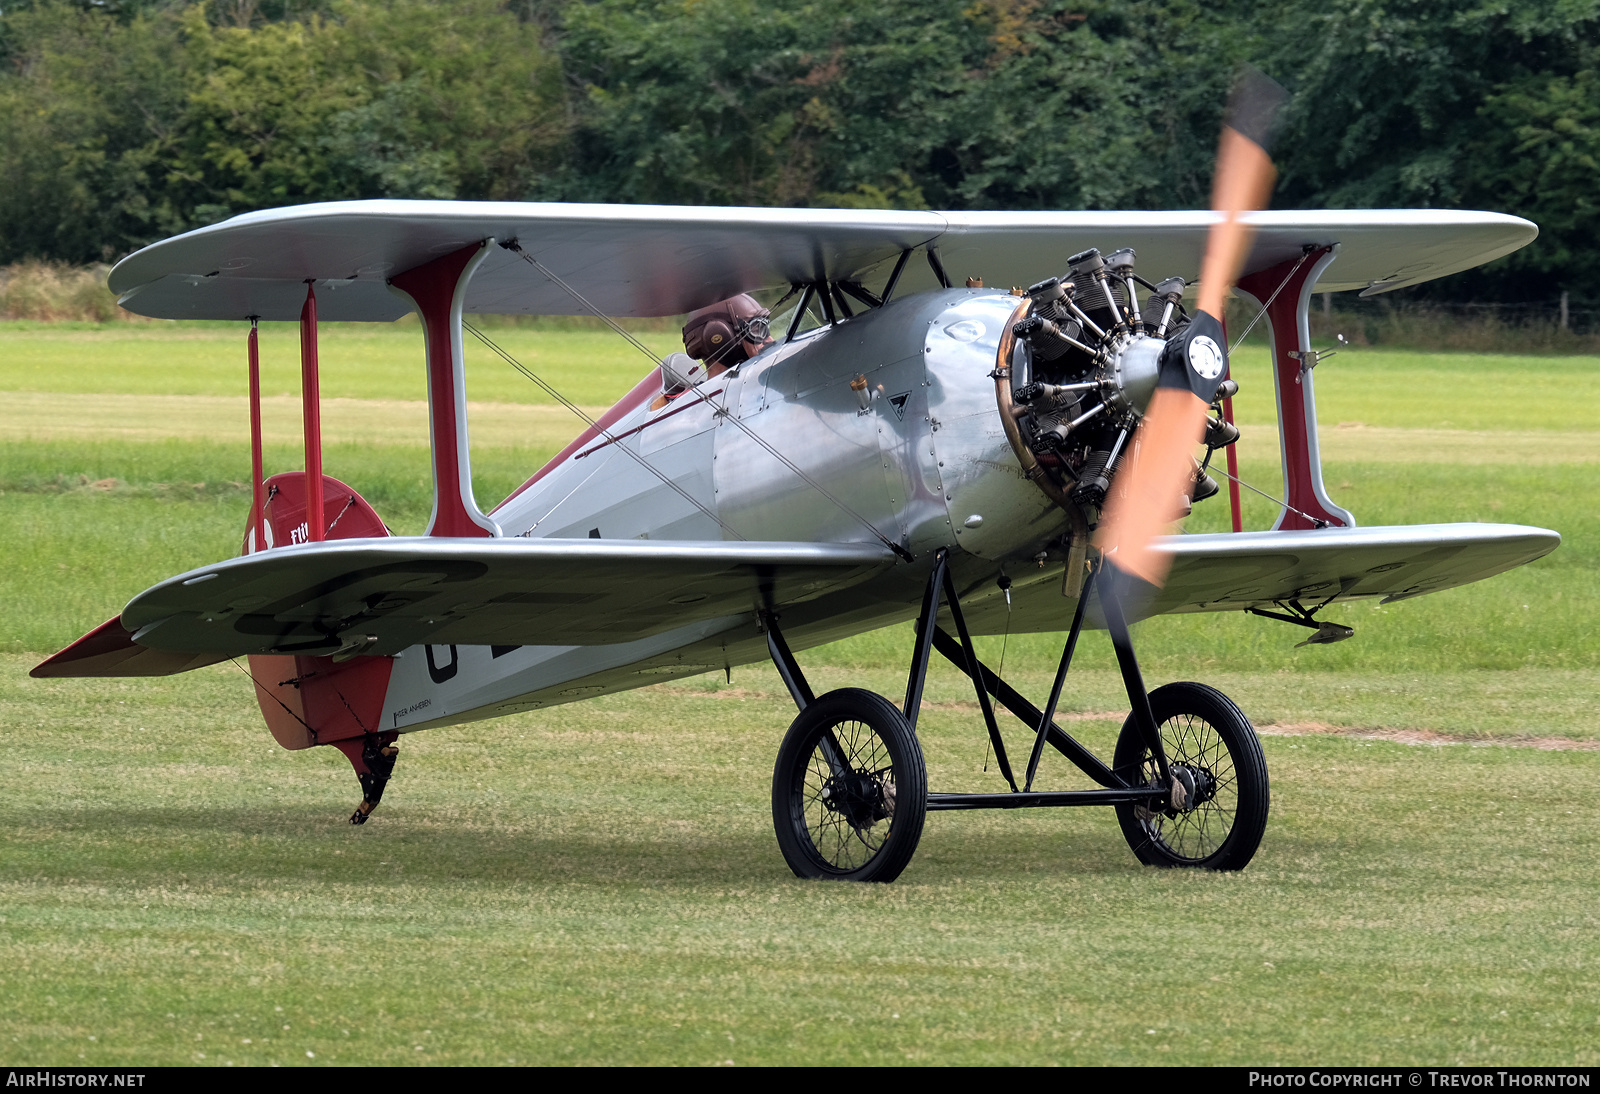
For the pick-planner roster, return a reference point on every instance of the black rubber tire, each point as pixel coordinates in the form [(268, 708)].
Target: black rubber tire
[(872, 835), (1202, 728)]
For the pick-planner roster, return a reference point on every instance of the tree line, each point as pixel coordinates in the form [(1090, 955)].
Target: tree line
[(126, 121)]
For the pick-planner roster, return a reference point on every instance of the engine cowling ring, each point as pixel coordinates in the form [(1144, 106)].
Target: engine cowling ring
[(1037, 473)]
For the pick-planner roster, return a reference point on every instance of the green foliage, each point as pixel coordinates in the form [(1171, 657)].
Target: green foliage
[(1538, 152), (998, 104), (1460, 103), (388, 98), (1388, 93), (127, 121), (774, 94), (128, 127), (87, 114)]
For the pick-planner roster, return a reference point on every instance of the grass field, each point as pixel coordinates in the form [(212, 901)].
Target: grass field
[(599, 882)]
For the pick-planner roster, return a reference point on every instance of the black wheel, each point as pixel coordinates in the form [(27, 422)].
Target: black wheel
[(1215, 756), (849, 792)]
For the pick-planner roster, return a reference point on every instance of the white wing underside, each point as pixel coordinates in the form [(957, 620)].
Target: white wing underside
[(653, 260)]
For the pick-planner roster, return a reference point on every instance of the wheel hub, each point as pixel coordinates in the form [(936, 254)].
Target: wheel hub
[(860, 796), (1192, 787)]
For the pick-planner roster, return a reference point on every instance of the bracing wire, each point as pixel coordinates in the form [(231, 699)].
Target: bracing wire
[(1317, 521), (607, 434), (1237, 342), (266, 691), (807, 479), (516, 248)]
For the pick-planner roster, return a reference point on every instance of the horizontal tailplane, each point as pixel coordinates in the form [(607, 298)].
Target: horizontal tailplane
[(109, 650)]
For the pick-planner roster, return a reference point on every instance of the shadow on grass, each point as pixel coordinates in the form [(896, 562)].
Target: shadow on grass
[(247, 847)]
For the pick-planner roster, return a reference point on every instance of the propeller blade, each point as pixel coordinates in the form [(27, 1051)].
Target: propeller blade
[(1146, 500), (1160, 470), (1242, 183)]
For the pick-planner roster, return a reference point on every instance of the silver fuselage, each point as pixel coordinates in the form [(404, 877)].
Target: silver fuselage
[(926, 464)]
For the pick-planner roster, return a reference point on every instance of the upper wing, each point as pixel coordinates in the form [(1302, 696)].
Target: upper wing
[(320, 597), (642, 260)]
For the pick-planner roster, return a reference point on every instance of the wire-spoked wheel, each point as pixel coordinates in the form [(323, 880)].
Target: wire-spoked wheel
[(849, 792), (1218, 816)]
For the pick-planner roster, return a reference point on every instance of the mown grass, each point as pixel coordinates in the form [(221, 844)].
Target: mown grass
[(361, 361), (58, 293), (1378, 386), (599, 882)]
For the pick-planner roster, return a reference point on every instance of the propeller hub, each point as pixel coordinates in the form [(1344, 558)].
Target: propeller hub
[(1128, 374)]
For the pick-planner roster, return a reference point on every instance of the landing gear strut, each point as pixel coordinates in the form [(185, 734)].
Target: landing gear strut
[(849, 791)]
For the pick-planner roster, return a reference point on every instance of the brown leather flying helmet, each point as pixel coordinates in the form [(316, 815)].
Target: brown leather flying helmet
[(728, 332)]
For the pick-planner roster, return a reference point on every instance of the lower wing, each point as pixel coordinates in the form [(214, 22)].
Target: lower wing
[(380, 596), (1218, 572), (1223, 571)]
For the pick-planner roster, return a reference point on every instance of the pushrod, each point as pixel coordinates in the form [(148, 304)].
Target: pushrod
[(1083, 317), (258, 503), (311, 415), (1084, 417)]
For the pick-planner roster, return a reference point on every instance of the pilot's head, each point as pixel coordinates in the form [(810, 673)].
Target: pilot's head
[(727, 333)]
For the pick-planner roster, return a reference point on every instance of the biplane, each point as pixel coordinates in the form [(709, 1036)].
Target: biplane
[(896, 446)]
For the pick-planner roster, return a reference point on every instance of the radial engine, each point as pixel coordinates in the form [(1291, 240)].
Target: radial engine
[(1082, 371)]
